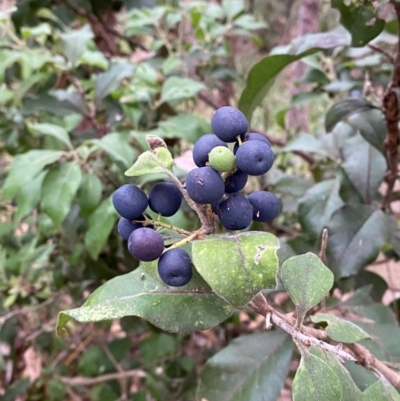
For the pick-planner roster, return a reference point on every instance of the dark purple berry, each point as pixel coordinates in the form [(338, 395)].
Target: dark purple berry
[(266, 206), (175, 267), (204, 185), (130, 201), (165, 199), (228, 123), (254, 157), (235, 212), (145, 244)]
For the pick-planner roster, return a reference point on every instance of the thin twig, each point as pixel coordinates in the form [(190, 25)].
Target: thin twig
[(260, 305), (324, 243), (90, 381), (377, 49)]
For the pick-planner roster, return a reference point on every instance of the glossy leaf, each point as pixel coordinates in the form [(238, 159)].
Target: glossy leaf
[(372, 126), (350, 392), (318, 205), (381, 391), (261, 76), (307, 280), (101, 223), (176, 88), (364, 165), (356, 235), (355, 17), (25, 167), (29, 196), (89, 193), (315, 380), (341, 330), (116, 145), (109, 81), (253, 367), (237, 267), (158, 160), (59, 189), (345, 108), (75, 42), (138, 294), (53, 130)]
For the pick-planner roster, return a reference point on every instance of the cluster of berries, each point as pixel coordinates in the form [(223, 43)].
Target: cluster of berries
[(222, 172)]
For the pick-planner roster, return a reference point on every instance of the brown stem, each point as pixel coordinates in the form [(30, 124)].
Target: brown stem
[(260, 305), (90, 381), (392, 115), (377, 49)]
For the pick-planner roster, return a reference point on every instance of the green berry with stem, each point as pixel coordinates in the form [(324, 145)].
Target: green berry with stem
[(222, 159)]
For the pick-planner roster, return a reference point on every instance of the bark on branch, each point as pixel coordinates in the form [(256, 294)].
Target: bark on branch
[(392, 115)]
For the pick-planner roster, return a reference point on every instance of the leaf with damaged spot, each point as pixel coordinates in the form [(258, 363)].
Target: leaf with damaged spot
[(307, 280), (237, 267), (193, 307)]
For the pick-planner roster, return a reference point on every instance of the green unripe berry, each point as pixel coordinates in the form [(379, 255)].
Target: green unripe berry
[(222, 159)]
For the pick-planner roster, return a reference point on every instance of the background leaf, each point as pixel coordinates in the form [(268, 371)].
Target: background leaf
[(364, 165), (237, 267), (380, 391), (101, 223), (318, 205), (176, 88), (59, 189), (53, 130), (75, 42), (25, 167), (253, 367), (356, 235), (355, 17)]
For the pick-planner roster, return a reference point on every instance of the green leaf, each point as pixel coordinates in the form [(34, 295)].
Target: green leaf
[(341, 330), (361, 376), (372, 126), (233, 7), (343, 109), (55, 131), (307, 280), (356, 17), (315, 380), (364, 165), (101, 223), (116, 145), (158, 160), (176, 88), (59, 189), (381, 391), (109, 81), (75, 42), (306, 143), (263, 73), (253, 367), (89, 193), (318, 205), (237, 267), (25, 167), (356, 235), (29, 196), (350, 391), (138, 294)]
